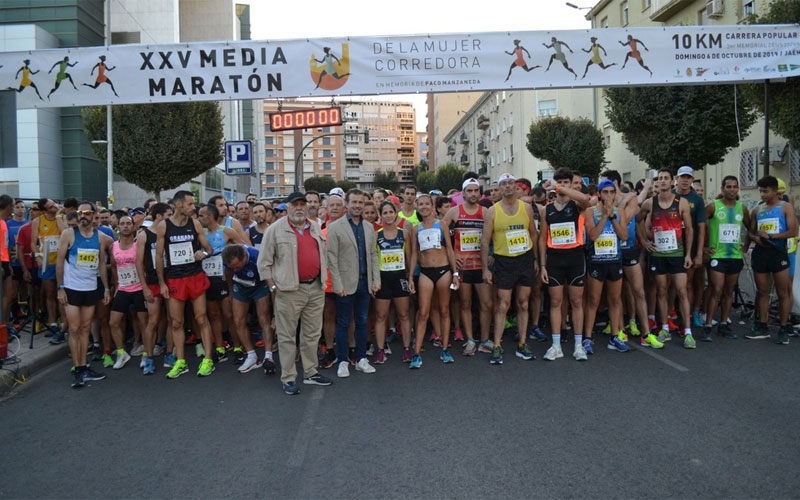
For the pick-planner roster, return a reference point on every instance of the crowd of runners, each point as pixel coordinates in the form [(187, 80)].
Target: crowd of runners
[(390, 275)]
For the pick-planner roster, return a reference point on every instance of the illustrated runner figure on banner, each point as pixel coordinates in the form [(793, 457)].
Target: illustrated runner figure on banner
[(62, 73), (559, 55), (26, 78), (634, 53), (101, 75), (520, 60), (327, 59), (595, 50)]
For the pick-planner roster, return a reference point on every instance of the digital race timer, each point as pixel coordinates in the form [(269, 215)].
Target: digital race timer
[(305, 118)]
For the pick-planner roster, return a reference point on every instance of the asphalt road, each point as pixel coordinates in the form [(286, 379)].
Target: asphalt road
[(716, 422)]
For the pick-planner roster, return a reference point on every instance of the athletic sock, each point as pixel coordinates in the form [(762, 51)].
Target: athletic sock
[(578, 340), (557, 339), (651, 317), (687, 331), (251, 354), (267, 354), (665, 327)]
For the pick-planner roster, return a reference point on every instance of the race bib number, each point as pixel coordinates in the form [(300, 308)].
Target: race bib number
[(212, 266), (606, 244), (430, 239), (562, 233), (666, 241), (51, 244), (88, 258), (769, 226), (729, 233), (470, 241), (127, 276), (393, 260), (153, 258), (518, 241), (181, 253)]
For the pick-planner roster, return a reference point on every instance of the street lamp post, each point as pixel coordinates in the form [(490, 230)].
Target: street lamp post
[(109, 136)]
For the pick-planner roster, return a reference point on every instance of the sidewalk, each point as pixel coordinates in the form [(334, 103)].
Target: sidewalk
[(31, 361)]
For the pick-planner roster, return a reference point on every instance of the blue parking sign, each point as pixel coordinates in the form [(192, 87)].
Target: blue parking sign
[(238, 157)]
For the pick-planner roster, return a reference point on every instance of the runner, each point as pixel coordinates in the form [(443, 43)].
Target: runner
[(509, 226), (727, 223), (595, 49), (771, 224), (101, 68), (407, 210), (665, 229), (11, 289), (695, 277), (81, 252), (634, 52), (519, 60), (62, 73), (183, 245), (467, 221), (563, 258), (559, 54), (256, 231), (397, 281), (45, 235)]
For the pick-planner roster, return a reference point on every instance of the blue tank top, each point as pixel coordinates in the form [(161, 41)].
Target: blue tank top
[(216, 240), (631, 241), (607, 246), (82, 262), (13, 229), (212, 265), (772, 221)]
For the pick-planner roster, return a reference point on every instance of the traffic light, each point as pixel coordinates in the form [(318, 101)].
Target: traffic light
[(366, 136)]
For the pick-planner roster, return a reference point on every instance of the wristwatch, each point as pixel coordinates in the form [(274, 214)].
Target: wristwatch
[(273, 288), (204, 252)]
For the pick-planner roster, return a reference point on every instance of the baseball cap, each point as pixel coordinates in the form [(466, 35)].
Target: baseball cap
[(781, 186), (281, 207), (295, 196), (506, 177), (470, 182), (686, 170), (435, 192), (137, 210), (337, 191), (394, 199), (606, 183)]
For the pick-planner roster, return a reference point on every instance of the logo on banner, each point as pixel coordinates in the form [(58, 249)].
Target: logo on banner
[(330, 72)]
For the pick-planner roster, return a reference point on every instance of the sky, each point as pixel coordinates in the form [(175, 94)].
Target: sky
[(317, 18)]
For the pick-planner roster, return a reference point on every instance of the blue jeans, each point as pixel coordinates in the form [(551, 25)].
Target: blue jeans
[(346, 306)]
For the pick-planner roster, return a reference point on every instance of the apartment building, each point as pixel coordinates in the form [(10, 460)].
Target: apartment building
[(392, 140), (491, 137), (444, 111), (744, 161), (322, 156)]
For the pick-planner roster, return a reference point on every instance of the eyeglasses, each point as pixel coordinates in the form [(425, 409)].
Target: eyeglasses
[(85, 212)]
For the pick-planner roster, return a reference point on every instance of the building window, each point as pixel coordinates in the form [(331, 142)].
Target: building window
[(604, 22), (270, 178), (326, 165), (511, 152), (547, 108), (749, 8), (624, 13), (607, 135), (511, 119), (269, 153), (326, 153), (269, 165), (645, 4), (288, 179), (327, 141), (269, 139), (214, 179), (504, 155), (504, 124)]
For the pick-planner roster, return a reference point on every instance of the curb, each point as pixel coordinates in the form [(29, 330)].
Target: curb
[(28, 367)]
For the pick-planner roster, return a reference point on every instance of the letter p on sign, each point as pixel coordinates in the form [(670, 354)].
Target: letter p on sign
[(238, 157)]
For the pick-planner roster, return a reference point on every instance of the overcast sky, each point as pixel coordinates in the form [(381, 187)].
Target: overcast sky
[(316, 18)]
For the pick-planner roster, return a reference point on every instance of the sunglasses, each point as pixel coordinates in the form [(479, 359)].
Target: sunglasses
[(85, 212)]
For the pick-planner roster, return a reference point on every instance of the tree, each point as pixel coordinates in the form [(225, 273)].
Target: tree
[(681, 125), (449, 176), (159, 146), (387, 180), (784, 105), (346, 185), (426, 181), (319, 184), (568, 143)]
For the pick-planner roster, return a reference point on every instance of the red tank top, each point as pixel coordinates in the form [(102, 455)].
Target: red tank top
[(467, 232)]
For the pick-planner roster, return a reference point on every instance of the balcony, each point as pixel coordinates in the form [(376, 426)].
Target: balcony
[(482, 149), (482, 169), (463, 138), (483, 122), (464, 160), (663, 10), (451, 150)]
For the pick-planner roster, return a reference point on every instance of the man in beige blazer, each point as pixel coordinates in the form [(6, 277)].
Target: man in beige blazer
[(355, 277)]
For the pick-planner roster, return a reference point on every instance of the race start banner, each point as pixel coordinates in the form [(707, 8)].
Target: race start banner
[(270, 69)]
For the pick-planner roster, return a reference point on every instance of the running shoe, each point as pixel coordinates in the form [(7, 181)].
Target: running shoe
[(260, 343), (77, 379), (437, 342), (579, 353), (269, 366), (783, 335), (758, 332), (617, 344), (290, 388), (651, 340), (446, 357), (344, 369), (169, 360), (664, 336), (672, 326), (696, 319), (486, 346), (138, 349), (706, 337), (380, 357), (317, 379), (497, 356), (149, 366), (199, 350), (108, 361), (392, 336), (250, 363), (651, 325), (158, 350), (191, 340), (458, 335), (536, 333), (689, 342), (524, 351), (238, 356), (553, 353), (622, 335), (795, 331), (328, 360), (122, 358), (470, 348), (633, 329), (89, 374), (588, 346), (407, 355), (416, 361), (222, 355), (726, 331), (370, 349), (363, 366), (607, 329), (206, 368), (387, 350), (58, 338)]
